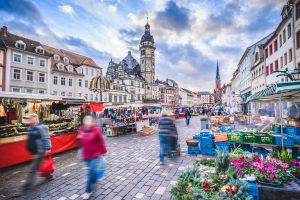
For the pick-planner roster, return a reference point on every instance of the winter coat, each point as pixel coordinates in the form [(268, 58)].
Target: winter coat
[(38, 139), (92, 142), (166, 126), (187, 113)]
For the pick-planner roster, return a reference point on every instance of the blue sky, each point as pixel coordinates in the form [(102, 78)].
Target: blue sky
[(190, 35)]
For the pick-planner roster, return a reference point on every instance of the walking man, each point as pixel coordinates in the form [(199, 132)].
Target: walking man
[(38, 144), (187, 116)]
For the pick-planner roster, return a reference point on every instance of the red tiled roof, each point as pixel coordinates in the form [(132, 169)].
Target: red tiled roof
[(79, 59)]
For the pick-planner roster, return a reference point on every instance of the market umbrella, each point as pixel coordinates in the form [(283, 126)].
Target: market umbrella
[(232, 101)]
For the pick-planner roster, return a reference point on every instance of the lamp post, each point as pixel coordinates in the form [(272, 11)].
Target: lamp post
[(296, 74)]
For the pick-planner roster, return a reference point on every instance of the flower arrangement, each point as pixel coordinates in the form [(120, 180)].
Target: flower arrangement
[(235, 189), (295, 169), (255, 156), (210, 162), (243, 166)]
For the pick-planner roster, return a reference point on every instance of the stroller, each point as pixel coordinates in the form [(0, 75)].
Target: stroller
[(175, 147)]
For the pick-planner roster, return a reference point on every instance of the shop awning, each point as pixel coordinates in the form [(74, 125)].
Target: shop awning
[(290, 92)]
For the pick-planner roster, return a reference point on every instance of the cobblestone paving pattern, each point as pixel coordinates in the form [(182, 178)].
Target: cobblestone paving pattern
[(133, 171)]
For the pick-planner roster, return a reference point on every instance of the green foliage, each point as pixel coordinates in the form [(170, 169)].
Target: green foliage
[(222, 160), (237, 151), (210, 162), (240, 194), (285, 157)]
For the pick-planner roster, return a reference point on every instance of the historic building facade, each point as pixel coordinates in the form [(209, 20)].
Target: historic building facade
[(169, 91), (258, 70), (218, 89), (207, 98), (3, 51)]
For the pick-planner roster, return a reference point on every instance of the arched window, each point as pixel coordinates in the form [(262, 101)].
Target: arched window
[(60, 66)]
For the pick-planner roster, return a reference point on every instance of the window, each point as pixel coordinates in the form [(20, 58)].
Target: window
[(21, 46), (30, 61), (290, 55), (286, 79), (267, 55), (86, 71), (56, 57), (298, 39), (110, 98), (125, 99), (16, 90), (70, 68), (79, 94), (42, 63), (86, 83), (285, 59), (66, 60), (70, 82), (142, 61), (271, 49), (92, 72), (297, 11), (120, 98), (29, 76), (284, 36), (275, 45), (63, 81), (17, 58), (17, 74), (79, 70), (143, 98), (114, 87), (276, 65), (60, 66), (41, 51), (267, 70), (298, 65), (98, 73), (55, 78), (63, 94), (41, 77), (142, 85), (289, 29), (281, 62), (42, 92), (55, 93), (115, 99), (131, 83), (80, 83), (280, 40), (271, 68), (29, 91), (256, 56), (138, 84)]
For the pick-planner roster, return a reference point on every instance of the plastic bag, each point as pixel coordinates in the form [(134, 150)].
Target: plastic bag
[(101, 167), (184, 120), (47, 166)]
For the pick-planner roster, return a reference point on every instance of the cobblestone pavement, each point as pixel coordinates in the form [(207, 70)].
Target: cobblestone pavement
[(133, 171)]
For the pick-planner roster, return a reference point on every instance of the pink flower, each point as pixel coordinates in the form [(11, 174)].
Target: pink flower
[(276, 175), (271, 177)]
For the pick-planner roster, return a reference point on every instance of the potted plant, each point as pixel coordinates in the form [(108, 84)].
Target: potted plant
[(204, 122), (235, 189), (295, 169)]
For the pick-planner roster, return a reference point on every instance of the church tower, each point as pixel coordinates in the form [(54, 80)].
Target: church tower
[(147, 62), (218, 90)]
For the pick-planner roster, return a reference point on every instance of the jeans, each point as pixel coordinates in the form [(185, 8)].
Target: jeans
[(34, 169), (165, 143), (187, 121), (92, 166)]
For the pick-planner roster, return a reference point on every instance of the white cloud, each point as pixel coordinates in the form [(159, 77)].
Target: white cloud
[(66, 9), (112, 9)]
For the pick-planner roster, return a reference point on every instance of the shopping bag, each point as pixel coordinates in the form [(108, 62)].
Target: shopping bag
[(47, 166), (101, 167), (184, 120)]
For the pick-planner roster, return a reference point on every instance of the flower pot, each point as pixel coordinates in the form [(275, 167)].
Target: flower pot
[(262, 179), (203, 125), (296, 175)]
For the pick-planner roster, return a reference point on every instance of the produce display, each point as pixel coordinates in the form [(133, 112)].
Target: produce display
[(250, 130)]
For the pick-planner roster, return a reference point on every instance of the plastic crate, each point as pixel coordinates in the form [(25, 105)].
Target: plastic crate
[(206, 144), (286, 139), (193, 150), (207, 151), (225, 129), (254, 195), (278, 130), (249, 137), (235, 137), (264, 138), (261, 150), (204, 138), (296, 139), (222, 144), (293, 130)]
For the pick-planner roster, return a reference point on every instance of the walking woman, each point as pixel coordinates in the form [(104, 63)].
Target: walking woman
[(187, 116), (93, 146), (166, 128)]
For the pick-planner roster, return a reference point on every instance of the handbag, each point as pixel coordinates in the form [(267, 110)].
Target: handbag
[(101, 167), (47, 166)]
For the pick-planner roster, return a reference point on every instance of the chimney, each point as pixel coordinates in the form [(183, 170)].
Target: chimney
[(4, 30), (129, 52)]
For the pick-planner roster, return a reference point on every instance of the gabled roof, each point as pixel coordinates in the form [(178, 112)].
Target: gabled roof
[(10, 39), (130, 61), (79, 59)]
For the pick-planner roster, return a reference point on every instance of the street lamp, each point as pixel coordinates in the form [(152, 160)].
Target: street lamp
[(296, 74)]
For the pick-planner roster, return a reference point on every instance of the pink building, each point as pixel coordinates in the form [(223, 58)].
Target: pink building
[(207, 98)]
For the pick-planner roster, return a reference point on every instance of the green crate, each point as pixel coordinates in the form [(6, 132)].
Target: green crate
[(249, 137), (235, 137), (264, 138)]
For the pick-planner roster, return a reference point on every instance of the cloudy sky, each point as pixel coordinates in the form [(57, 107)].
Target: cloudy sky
[(190, 35)]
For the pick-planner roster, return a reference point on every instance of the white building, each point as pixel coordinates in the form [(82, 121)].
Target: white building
[(279, 50)]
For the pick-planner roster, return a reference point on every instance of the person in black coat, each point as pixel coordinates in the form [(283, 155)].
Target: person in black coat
[(166, 128), (187, 116)]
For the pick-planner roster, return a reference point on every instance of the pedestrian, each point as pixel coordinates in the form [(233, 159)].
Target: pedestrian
[(93, 146), (187, 116), (38, 145), (166, 128)]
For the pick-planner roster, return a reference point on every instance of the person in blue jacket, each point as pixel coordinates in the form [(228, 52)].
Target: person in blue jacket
[(187, 116)]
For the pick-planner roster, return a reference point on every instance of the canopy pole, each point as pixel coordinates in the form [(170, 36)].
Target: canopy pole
[(249, 114), (281, 120)]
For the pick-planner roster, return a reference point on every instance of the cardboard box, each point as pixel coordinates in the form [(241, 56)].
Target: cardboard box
[(148, 130)]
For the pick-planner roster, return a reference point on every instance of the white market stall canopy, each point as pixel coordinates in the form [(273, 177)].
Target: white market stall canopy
[(290, 92), (128, 105)]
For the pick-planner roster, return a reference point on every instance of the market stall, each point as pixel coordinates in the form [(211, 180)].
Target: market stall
[(62, 115), (181, 111)]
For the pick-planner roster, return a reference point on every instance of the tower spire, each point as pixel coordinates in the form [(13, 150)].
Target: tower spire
[(218, 74)]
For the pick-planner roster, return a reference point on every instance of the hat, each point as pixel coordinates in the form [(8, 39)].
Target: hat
[(32, 115)]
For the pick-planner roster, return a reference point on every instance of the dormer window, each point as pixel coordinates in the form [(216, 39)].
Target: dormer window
[(20, 44), (39, 49), (56, 57), (79, 70), (60, 66), (69, 68), (66, 60)]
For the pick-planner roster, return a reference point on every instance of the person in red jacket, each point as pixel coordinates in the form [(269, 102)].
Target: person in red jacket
[(93, 146)]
